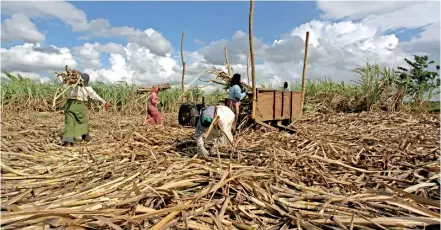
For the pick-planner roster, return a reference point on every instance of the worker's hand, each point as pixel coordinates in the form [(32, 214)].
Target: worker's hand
[(204, 153), (106, 106), (213, 151)]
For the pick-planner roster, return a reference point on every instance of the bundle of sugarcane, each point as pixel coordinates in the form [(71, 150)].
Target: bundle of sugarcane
[(70, 77), (149, 89), (224, 79)]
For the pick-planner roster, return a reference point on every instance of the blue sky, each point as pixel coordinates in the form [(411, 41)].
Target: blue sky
[(206, 21), (215, 21)]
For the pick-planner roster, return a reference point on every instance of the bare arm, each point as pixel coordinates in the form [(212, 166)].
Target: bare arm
[(199, 135)]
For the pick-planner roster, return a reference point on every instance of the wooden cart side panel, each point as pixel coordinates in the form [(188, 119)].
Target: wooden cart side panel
[(264, 105), (282, 106), (287, 103), (269, 105), (296, 105)]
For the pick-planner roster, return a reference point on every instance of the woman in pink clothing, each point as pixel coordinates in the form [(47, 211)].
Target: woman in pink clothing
[(153, 116)]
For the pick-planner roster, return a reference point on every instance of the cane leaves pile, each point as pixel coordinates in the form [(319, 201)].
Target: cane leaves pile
[(339, 171), (70, 77)]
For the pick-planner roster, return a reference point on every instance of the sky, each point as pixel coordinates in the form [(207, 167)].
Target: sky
[(139, 42)]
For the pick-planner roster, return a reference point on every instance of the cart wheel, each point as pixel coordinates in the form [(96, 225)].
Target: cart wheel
[(286, 122)]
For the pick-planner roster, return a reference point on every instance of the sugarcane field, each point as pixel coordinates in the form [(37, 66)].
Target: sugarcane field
[(307, 154)]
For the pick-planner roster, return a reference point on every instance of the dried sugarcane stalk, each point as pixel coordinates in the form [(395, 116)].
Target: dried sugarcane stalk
[(320, 177), (227, 63), (184, 99), (305, 63), (253, 67), (248, 68)]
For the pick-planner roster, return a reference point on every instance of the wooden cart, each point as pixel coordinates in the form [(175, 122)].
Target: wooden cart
[(274, 109), (277, 105)]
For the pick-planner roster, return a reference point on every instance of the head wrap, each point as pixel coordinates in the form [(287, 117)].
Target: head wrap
[(206, 121), (85, 78), (155, 89)]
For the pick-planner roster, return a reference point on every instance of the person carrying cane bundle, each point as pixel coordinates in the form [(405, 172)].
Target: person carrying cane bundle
[(75, 116)]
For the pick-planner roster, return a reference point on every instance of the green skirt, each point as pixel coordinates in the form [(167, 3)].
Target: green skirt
[(75, 120)]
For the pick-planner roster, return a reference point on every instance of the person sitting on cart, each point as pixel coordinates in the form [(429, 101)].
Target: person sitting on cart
[(285, 86), (220, 133), (236, 95)]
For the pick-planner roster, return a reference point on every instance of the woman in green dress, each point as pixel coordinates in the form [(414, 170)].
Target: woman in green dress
[(75, 116)]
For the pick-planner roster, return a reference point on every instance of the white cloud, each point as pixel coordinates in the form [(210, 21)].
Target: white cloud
[(427, 43), (36, 58), (20, 28), (200, 42), (385, 15), (412, 16), (392, 15), (132, 63), (153, 40), (237, 48), (77, 19), (149, 38), (61, 10), (336, 48), (358, 9), (89, 54)]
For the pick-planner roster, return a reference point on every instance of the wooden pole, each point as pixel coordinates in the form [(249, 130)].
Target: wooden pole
[(305, 63), (248, 68), (183, 69), (227, 63), (253, 69)]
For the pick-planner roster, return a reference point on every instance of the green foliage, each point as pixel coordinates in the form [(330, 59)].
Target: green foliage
[(378, 88), (22, 93), (418, 79)]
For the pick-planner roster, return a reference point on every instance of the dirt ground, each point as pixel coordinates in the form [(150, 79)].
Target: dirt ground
[(267, 179)]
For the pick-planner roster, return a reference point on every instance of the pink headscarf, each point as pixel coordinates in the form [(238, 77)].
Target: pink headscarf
[(155, 89)]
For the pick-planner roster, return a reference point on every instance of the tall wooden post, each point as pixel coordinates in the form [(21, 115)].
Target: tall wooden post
[(253, 69), (248, 68), (305, 63), (184, 99), (227, 63)]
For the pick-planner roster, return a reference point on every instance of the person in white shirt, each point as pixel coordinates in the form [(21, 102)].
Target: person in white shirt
[(75, 116), (225, 123)]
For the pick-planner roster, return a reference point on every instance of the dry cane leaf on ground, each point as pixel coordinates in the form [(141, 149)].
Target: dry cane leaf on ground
[(362, 171)]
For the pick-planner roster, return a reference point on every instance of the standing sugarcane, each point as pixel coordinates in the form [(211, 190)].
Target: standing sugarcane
[(75, 117)]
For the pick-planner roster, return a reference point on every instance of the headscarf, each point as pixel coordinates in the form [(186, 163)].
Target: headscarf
[(206, 121), (85, 78), (155, 89)]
